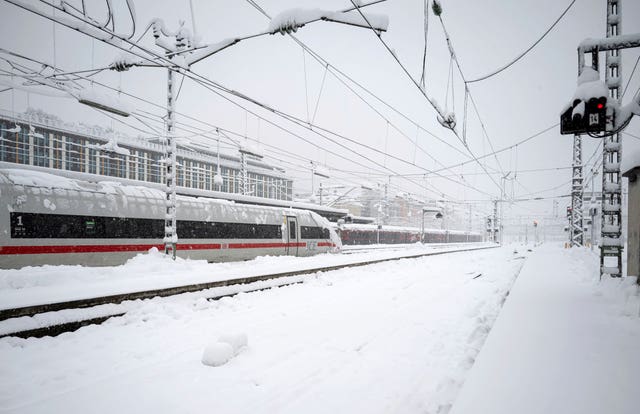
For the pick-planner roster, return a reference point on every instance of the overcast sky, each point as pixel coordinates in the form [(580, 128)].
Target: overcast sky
[(519, 102)]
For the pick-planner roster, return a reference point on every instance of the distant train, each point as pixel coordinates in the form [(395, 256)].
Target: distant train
[(48, 219), (361, 234)]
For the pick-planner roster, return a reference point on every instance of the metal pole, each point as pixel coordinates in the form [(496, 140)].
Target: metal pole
[(170, 234), (576, 225), (244, 181), (611, 216), (385, 219), (313, 173), (218, 162), (495, 221)]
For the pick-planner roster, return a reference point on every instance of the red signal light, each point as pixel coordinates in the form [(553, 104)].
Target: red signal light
[(600, 105)]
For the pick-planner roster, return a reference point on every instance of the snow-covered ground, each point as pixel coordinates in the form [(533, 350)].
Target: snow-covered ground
[(408, 336), (565, 342), (393, 337), (48, 284)]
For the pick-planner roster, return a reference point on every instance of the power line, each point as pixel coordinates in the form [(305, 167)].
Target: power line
[(529, 138), (521, 55), (333, 68), (630, 77), (422, 90), (467, 90), (160, 57), (191, 75), (315, 130)]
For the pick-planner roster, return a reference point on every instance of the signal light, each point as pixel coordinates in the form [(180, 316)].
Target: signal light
[(585, 117)]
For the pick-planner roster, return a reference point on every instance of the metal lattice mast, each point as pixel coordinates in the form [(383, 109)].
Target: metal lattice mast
[(170, 233), (577, 231), (611, 223), (244, 176)]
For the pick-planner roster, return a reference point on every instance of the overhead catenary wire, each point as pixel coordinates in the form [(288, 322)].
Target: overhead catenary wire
[(317, 130), (522, 141), (630, 77), (101, 39), (422, 90), (335, 71), (136, 117), (522, 54), (467, 90)]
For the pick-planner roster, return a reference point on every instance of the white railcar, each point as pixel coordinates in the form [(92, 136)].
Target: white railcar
[(48, 219)]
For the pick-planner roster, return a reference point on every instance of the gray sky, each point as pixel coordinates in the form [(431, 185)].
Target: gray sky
[(513, 105)]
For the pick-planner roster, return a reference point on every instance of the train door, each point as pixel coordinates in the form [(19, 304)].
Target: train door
[(292, 235)]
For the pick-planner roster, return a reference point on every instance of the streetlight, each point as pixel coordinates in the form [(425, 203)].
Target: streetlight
[(502, 197), (428, 210)]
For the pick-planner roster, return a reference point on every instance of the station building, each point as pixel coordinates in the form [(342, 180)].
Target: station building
[(41, 140)]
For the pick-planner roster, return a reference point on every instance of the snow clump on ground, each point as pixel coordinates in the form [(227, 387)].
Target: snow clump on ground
[(222, 351)]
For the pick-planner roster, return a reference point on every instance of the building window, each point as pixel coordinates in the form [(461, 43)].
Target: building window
[(93, 159), (142, 165), (41, 150), (155, 168), (56, 145), (74, 156)]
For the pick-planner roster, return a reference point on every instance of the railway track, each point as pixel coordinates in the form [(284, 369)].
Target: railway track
[(7, 315), (390, 248)]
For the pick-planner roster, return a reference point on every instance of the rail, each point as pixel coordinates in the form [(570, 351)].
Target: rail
[(30, 311)]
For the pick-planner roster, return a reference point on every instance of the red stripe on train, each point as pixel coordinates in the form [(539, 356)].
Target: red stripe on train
[(114, 248), (264, 245)]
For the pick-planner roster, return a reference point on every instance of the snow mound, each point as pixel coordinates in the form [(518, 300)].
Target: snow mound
[(217, 354), (222, 351), (236, 340), (590, 86)]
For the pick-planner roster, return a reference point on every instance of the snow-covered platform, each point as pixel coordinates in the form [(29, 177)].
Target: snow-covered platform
[(564, 342)]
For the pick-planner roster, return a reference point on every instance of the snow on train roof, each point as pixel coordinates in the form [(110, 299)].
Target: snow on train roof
[(401, 228), (193, 192), (38, 179)]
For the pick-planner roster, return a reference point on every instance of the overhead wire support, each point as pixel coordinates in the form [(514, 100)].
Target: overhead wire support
[(438, 12), (611, 245), (439, 111), (208, 124), (333, 68), (424, 53), (150, 56)]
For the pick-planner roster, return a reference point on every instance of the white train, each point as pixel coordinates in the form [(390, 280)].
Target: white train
[(48, 219), (362, 234)]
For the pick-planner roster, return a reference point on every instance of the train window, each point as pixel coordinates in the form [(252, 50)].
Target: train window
[(292, 231), (309, 232), (48, 226)]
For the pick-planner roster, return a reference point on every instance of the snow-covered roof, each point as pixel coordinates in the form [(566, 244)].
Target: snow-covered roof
[(44, 120)]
